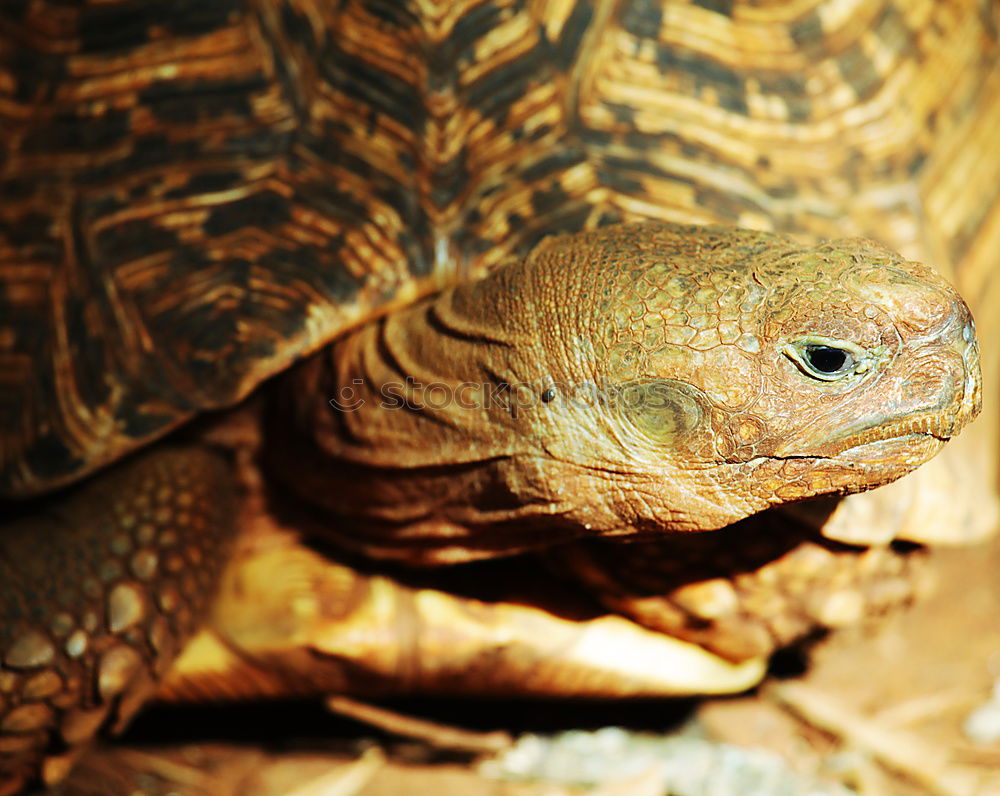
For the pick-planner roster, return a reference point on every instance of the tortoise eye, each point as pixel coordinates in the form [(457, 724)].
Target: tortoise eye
[(827, 360)]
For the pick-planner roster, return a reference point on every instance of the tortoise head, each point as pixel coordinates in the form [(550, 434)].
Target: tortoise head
[(641, 378), (748, 371)]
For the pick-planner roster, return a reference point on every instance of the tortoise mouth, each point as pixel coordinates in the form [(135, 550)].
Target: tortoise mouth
[(903, 452), (861, 440), (941, 426), (942, 422)]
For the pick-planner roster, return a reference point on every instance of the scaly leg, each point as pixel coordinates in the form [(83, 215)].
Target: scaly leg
[(97, 593)]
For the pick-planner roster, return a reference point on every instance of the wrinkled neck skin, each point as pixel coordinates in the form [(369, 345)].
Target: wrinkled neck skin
[(620, 382), (442, 443)]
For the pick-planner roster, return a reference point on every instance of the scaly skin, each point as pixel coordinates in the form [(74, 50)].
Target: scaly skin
[(97, 595), (678, 399)]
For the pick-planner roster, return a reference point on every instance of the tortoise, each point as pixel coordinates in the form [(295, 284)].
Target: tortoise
[(199, 196)]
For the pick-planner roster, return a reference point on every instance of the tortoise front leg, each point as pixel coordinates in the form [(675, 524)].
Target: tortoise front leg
[(288, 621), (97, 593)]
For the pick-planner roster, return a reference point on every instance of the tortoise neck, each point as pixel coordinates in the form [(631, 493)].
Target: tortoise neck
[(427, 387), (428, 424)]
